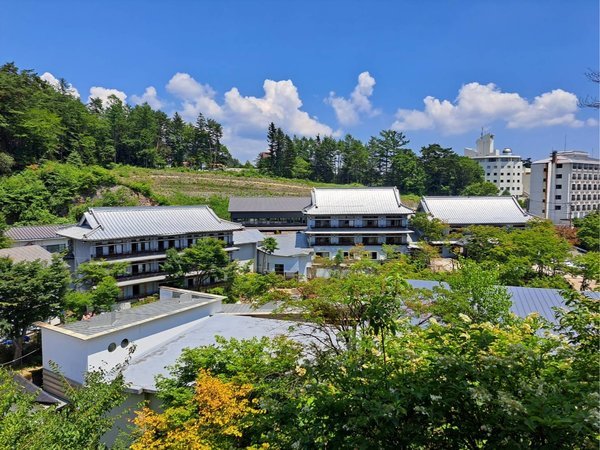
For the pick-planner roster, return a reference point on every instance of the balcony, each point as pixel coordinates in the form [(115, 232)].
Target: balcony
[(394, 240), (322, 224), (370, 241), (345, 223), (345, 240), (322, 241), (370, 224)]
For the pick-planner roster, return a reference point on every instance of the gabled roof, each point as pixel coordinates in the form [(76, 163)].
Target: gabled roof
[(336, 201), (26, 253), (475, 210), (268, 204), (35, 233), (127, 222)]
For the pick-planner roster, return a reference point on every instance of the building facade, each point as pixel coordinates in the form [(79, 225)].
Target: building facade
[(565, 186), (140, 237), (340, 219), (501, 168), (43, 235), (269, 213)]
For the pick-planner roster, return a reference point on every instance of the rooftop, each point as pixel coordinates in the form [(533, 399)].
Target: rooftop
[(572, 156), (476, 210), (247, 236), (336, 201), (126, 318), (292, 244), (26, 253), (35, 233), (268, 204), (127, 222)]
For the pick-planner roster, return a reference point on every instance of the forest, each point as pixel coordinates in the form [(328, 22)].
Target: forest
[(41, 123)]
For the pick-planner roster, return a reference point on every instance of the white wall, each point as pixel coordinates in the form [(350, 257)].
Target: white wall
[(75, 356), (245, 254)]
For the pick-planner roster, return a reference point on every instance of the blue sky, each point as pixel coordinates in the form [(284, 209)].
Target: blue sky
[(437, 70)]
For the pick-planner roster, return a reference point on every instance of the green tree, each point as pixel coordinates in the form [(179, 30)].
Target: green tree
[(587, 266), (431, 228), (30, 292), (480, 189), (269, 245), (588, 230)]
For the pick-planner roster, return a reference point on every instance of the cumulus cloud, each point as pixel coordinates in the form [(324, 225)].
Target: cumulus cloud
[(55, 83), (348, 110), (149, 96), (246, 118), (478, 105), (196, 97), (103, 93)]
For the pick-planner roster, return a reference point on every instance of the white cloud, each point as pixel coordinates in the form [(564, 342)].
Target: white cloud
[(103, 94), (479, 105), (348, 110), (196, 98), (55, 83), (149, 96)]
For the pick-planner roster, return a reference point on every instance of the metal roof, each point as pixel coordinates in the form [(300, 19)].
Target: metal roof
[(247, 236), (26, 253), (126, 318), (357, 230), (291, 244), (142, 369), (365, 201), (475, 210), (525, 300), (100, 224), (35, 233), (268, 204)]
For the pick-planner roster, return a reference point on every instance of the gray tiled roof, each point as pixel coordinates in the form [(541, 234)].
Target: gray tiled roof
[(247, 236), (124, 318), (292, 244), (35, 233), (127, 222), (475, 210), (26, 253), (336, 201), (268, 204)]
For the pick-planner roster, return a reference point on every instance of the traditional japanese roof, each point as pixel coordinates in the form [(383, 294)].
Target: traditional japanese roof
[(248, 236), (26, 253), (351, 201), (475, 210), (100, 224), (34, 233), (292, 244), (268, 204)]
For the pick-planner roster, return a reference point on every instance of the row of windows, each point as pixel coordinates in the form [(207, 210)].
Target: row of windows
[(583, 197), (508, 174), (585, 176), (578, 207), (142, 246), (584, 187)]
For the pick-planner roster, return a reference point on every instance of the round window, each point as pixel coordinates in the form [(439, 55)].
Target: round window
[(124, 343), (112, 347)]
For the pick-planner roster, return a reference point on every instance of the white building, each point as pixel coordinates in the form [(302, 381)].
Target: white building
[(291, 259), (565, 186), (340, 219), (501, 168), (140, 237)]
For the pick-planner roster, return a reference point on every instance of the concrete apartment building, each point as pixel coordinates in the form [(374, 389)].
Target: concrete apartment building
[(565, 186), (339, 219), (140, 237), (501, 168)]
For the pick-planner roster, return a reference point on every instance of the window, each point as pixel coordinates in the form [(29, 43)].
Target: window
[(559, 186), (373, 255), (559, 166), (559, 175), (124, 343), (279, 270), (112, 347), (557, 197), (557, 207)]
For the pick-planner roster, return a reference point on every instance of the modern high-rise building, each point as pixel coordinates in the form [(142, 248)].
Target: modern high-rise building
[(501, 168), (565, 186)]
